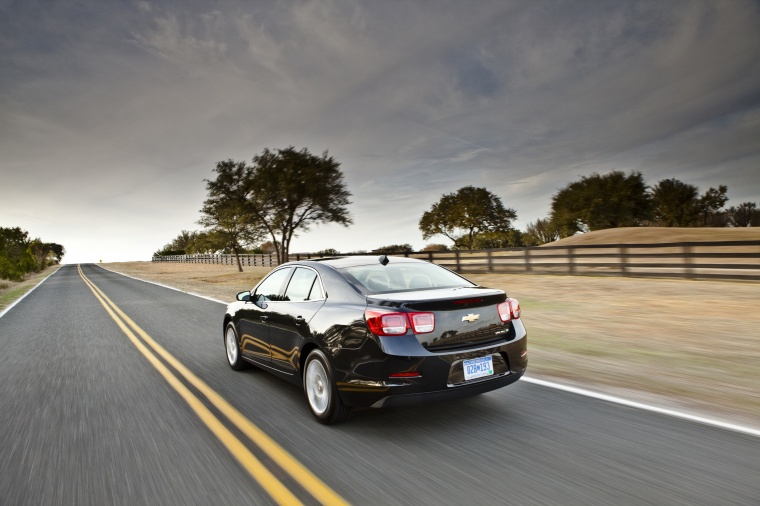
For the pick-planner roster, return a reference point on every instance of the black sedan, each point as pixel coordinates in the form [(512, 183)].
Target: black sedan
[(371, 332)]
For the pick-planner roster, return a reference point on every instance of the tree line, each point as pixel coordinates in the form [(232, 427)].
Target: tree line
[(258, 207), (616, 199), (21, 255), (475, 218)]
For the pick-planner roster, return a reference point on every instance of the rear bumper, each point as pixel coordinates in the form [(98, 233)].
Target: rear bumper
[(367, 382), (451, 393)]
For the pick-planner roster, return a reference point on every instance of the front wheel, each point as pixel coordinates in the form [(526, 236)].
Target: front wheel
[(232, 346), (320, 389)]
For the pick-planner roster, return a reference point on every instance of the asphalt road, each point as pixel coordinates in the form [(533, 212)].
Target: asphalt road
[(86, 418)]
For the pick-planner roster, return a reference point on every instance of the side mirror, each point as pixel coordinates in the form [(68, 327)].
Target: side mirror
[(244, 296)]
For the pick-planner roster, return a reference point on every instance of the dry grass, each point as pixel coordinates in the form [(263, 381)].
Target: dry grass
[(653, 235), (220, 282), (10, 291), (692, 345)]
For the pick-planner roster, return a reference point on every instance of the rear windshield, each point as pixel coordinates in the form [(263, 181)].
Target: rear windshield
[(396, 277)]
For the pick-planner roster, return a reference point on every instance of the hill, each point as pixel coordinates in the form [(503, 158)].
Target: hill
[(657, 235)]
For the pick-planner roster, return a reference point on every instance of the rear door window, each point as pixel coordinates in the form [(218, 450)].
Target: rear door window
[(303, 286)]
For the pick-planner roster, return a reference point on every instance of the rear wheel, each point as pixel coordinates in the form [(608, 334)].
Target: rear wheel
[(232, 346), (320, 389)]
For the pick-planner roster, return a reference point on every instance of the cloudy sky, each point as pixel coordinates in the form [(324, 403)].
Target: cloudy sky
[(113, 113)]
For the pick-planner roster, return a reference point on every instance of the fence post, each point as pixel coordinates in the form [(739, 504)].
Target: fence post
[(490, 260), (688, 270), (459, 266), (623, 260), (527, 259), (571, 260)]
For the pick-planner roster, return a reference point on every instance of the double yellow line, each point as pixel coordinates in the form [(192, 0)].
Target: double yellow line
[(279, 492)]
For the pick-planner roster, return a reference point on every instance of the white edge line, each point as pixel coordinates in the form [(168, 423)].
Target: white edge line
[(549, 384), (646, 407), (165, 286), (27, 293)]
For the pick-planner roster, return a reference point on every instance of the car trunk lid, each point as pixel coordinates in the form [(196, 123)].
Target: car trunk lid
[(464, 318)]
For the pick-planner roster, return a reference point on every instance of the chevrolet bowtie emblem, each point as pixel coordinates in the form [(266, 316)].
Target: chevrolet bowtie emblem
[(470, 317)]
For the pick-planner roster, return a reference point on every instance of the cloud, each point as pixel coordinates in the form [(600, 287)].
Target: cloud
[(114, 113)]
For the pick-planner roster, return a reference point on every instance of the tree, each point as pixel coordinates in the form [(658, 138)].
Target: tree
[(267, 248), (207, 242), (675, 204), (435, 247), (43, 256), (189, 243), (461, 216), (20, 255), (511, 238), (745, 214), (292, 190), (542, 231), (45, 253), (710, 205), (58, 251), (394, 249), (227, 211), (597, 202), (178, 246), (678, 204)]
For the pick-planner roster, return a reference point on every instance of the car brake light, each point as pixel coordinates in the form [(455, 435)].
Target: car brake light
[(464, 302), (386, 324), (509, 310), (514, 307), (383, 323), (422, 323)]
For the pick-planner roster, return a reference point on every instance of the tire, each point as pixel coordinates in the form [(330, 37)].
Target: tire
[(321, 392), (232, 349)]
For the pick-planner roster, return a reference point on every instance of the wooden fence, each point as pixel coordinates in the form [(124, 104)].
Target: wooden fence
[(704, 260), (221, 259)]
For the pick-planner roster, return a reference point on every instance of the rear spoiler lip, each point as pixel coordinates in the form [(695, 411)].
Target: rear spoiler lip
[(414, 297)]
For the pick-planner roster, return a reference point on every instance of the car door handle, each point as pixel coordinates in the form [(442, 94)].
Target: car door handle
[(264, 318), (299, 320)]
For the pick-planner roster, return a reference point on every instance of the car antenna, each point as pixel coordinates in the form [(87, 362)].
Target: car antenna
[(383, 259)]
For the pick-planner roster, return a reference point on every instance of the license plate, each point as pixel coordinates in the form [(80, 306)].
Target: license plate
[(478, 367)]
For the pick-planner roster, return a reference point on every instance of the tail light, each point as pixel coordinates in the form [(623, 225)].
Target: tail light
[(509, 310), (387, 323), (422, 323)]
